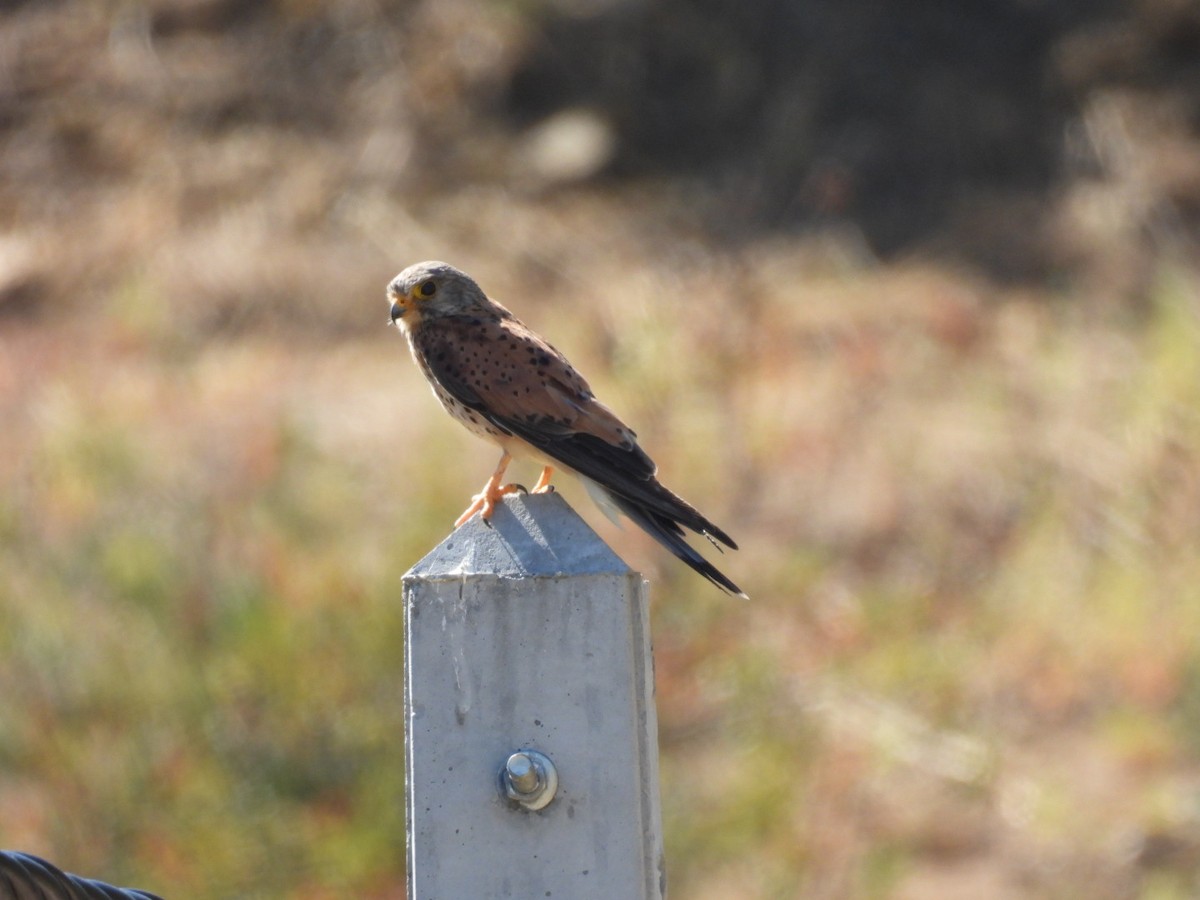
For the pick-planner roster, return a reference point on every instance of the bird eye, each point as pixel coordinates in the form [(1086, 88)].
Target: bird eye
[(428, 288)]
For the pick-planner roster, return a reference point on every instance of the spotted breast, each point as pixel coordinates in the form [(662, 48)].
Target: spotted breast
[(464, 367)]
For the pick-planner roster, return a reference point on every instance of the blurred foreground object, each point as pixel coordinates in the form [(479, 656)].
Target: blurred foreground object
[(25, 877)]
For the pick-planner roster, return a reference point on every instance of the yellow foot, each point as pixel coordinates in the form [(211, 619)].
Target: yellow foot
[(543, 485), (486, 502)]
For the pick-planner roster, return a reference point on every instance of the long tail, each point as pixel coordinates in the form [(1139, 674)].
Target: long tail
[(666, 529)]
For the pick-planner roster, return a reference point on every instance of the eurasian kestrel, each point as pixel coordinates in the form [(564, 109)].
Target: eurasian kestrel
[(507, 384)]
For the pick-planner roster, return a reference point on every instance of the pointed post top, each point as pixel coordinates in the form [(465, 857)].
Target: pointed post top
[(531, 535), (531, 758)]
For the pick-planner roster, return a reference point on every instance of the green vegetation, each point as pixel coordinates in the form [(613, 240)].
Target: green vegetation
[(974, 615), (968, 504)]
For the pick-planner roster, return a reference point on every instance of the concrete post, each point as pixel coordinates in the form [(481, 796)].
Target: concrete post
[(530, 635)]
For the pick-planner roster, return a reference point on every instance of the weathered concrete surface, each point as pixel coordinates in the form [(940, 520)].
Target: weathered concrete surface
[(532, 633)]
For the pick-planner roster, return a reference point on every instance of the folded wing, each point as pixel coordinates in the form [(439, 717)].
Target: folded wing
[(525, 387)]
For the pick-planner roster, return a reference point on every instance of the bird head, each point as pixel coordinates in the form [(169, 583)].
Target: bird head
[(431, 289)]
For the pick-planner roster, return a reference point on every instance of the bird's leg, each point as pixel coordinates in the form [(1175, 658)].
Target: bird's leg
[(487, 499), (543, 485)]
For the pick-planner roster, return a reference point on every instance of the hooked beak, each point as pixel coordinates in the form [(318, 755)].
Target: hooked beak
[(399, 308)]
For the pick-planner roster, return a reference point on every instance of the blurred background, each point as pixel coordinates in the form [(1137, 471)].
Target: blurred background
[(902, 295)]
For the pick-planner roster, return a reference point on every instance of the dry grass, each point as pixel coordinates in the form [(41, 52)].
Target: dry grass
[(968, 513)]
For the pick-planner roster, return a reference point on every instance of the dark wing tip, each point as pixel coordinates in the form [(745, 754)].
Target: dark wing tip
[(715, 534), (668, 533)]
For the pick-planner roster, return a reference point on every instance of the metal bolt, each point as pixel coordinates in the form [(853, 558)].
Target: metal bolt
[(522, 773), (529, 778)]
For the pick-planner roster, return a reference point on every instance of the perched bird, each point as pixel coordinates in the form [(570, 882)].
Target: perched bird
[(507, 384)]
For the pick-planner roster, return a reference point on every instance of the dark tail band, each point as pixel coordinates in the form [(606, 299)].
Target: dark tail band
[(668, 533)]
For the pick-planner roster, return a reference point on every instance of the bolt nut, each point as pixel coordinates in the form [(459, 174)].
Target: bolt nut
[(523, 776), (529, 779)]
